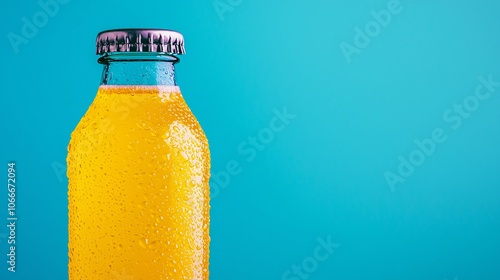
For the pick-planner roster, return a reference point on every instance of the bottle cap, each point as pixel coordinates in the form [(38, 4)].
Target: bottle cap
[(140, 40)]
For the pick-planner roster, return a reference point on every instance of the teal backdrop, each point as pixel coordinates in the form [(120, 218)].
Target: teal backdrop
[(349, 139)]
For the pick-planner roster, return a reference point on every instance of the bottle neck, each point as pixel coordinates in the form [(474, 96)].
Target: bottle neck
[(138, 69)]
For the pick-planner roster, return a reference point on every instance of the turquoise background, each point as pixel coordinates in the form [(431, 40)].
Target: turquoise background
[(322, 176)]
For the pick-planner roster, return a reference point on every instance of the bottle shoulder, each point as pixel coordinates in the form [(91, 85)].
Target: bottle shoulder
[(162, 118)]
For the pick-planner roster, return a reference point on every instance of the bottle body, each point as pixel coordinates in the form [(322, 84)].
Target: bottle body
[(138, 168)]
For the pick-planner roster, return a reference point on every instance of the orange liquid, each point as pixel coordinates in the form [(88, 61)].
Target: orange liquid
[(138, 168)]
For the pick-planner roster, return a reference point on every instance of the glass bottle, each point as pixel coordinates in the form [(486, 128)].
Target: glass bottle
[(138, 168)]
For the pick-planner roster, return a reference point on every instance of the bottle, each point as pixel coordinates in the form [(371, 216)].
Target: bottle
[(138, 168)]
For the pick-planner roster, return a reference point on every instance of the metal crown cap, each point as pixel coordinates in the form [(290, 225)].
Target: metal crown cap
[(140, 40)]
